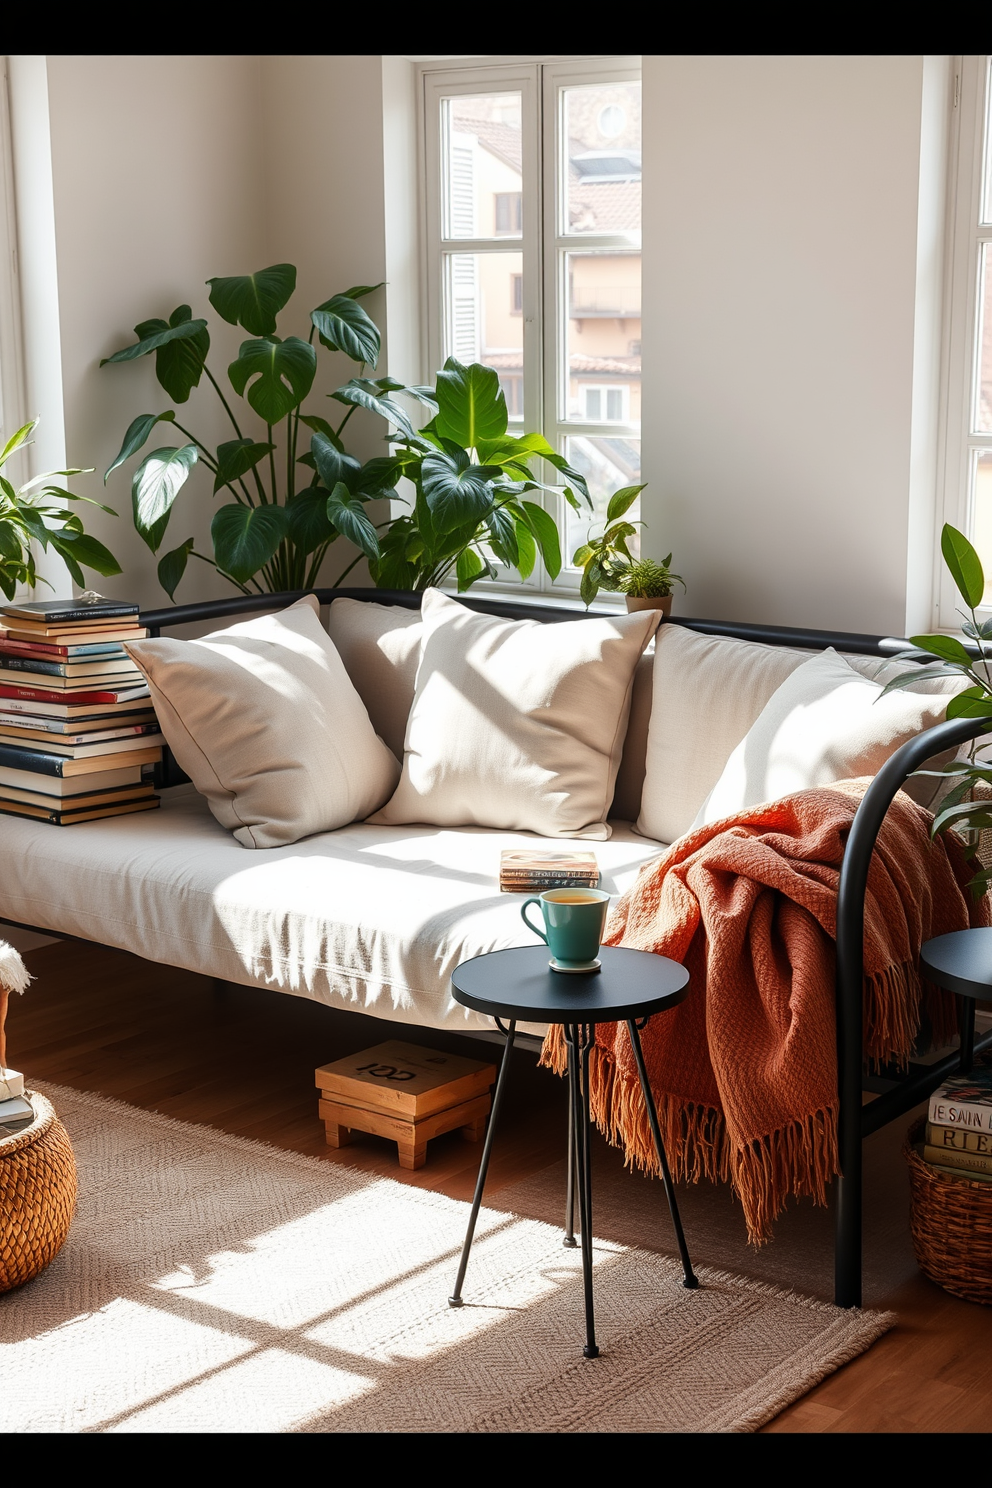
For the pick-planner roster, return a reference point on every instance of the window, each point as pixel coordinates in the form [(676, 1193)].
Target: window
[(533, 253), (967, 452)]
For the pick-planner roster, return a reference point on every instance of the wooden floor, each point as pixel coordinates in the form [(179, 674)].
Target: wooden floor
[(242, 1060)]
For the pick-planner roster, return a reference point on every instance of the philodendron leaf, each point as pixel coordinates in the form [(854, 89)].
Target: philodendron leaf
[(179, 363), (357, 291), (964, 564), (471, 405), (321, 426), (155, 333), (281, 374), (469, 567), (378, 477), (156, 484), (362, 392), (544, 529), (235, 458), (352, 521), (343, 325), (172, 567), (254, 300), (332, 466), (137, 433), (455, 490), (246, 537), (309, 525)]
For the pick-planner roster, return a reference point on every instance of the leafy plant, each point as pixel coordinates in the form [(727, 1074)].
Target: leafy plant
[(607, 562), (645, 578), (289, 499), (35, 511), (470, 479), (950, 657)]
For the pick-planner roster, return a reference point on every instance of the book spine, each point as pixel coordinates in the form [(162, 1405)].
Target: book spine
[(968, 1162), (548, 881), (60, 615), (964, 1115), (49, 695), (35, 761), (954, 1138)]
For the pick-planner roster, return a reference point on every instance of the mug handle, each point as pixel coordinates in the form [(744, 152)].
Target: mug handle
[(523, 916)]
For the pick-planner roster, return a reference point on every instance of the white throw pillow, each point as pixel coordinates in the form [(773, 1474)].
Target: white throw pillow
[(517, 724), (380, 647), (825, 723), (265, 721)]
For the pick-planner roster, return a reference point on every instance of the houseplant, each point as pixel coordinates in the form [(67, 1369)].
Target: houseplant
[(607, 562), (37, 512), (648, 584)]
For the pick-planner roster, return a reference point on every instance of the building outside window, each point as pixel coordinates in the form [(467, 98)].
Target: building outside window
[(533, 175)]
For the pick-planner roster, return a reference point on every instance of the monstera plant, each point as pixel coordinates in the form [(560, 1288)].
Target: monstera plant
[(288, 491)]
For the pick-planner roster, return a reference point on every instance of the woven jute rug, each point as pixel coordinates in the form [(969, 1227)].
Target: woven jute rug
[(215, 1284)]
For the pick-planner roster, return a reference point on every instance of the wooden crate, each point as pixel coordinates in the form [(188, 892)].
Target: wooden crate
[(406, 1093)]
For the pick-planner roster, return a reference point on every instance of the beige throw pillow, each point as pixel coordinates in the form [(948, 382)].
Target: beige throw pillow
[(825, 723), (517, 724), (380, 647), (268, 726)]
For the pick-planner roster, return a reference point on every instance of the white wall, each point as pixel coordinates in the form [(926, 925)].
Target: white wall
[(781, 203)]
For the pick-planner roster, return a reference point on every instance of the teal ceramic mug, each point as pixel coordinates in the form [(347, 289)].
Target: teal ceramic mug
[(573, 925)]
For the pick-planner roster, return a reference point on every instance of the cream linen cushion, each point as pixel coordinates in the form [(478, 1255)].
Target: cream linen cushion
[(380, 647), (825, 723), (268, 726), (517, 724)]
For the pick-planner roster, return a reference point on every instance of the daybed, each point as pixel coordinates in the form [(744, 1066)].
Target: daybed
[(374, 918)]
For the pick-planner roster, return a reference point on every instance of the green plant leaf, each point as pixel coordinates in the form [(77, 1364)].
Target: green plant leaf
[(172, 567), (973, 816), (503, 536), (544, 529), (254, 300), (621, 501), (974, 702), (364, 393), (35, 524), (908, 679), (948, 648), (11, 542), (592, 576), (309, 524), (964, 564), (331, 465), (235, 458), (468, 568), (246, 537), (156, 484), (137, 434), (455, 490), (185, 330), (359, 290), (321, 426), (283, 373), (526, 550), (343, 325), (378, 476), (85, 550), (352, 520), (179, 363), (471, 405), (19, 437)]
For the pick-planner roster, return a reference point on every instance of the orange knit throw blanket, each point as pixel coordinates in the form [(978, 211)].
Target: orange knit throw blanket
[(745, 1070)]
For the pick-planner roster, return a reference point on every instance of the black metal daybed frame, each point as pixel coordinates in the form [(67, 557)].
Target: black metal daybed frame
[(897, 1093)]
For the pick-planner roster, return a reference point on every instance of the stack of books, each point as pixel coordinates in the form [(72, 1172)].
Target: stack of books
[(77, 729), (959, 1125), (524, 872)]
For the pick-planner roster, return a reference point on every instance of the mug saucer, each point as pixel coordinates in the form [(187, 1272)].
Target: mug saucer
[(575, 967)]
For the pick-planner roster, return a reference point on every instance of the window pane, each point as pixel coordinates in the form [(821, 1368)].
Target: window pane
[(603, 337), (983, 412), (483, 317), (602, 188), (982, 507), (987, 202), (480, 166), (607, 464)]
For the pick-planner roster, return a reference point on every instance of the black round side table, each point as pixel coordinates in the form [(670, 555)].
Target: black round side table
[(518, 985), (962, 962)]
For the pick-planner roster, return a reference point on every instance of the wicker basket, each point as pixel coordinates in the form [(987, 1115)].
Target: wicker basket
[(37, 1195), (951, 1225)]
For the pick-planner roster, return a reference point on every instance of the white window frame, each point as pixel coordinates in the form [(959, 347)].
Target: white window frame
[(543, 246), (968, 236)]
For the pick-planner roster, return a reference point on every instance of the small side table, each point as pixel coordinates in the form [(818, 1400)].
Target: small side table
[(519, 986), (962, 962)]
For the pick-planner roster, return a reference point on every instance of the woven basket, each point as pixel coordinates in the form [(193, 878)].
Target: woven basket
[(37, 1195), (951, 1224)]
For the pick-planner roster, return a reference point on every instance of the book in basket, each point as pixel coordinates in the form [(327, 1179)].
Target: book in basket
[(964, 1101)]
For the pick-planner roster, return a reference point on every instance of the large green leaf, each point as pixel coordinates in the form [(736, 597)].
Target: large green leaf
[(948, 648), (455, 490), (471, 405), (172, 567), (352, 520), (156, 484), (254, 300), (964, 564), (321, 426), (621, 501), (155, 333), (309, 525), (544, 529), (503, 536), (343, 325), (235, 458), (137, 433), (246, 537), (362, 392), (11, 540), (470, 567), (85, 550), (332, 465), (19, 437), (283, 373), (179, 363), (974, 702)]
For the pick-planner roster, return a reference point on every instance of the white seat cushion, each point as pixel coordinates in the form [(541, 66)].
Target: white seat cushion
[(373, 919)]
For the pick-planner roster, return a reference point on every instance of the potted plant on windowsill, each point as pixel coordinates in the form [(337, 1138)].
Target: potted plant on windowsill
[(607, 562), (648, 585)]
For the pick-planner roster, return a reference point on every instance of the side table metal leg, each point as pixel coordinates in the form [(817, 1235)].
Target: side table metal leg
[(569, 1239), (579, 1038), (455, 1300), (690, 1280)]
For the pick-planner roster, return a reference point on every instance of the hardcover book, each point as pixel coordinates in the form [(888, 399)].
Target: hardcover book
[(81, 608), (965, 1101)]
